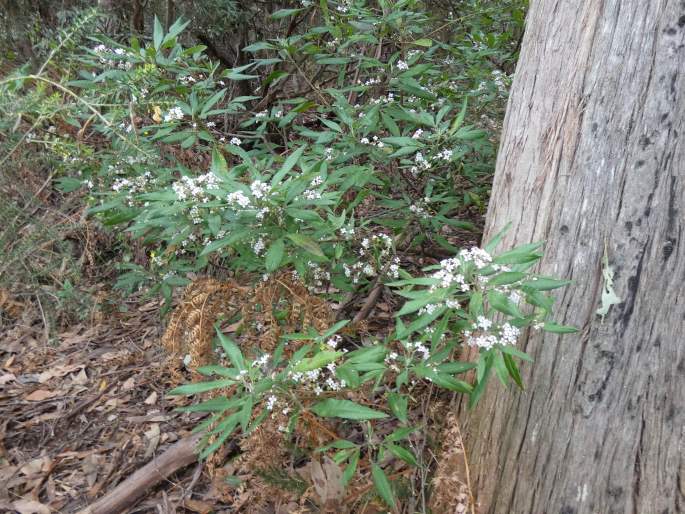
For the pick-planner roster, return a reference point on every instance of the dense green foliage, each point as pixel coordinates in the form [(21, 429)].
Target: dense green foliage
[(367, 136)]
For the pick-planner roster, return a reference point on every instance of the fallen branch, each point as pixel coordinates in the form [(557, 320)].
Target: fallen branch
[(130, 490)]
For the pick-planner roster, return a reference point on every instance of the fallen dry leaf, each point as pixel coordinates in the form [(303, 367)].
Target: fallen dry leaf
[(81, 378), (41, 394), (30, 507), (57, 371), (153, 436), (7, 377), (129, 384), (152, 399)]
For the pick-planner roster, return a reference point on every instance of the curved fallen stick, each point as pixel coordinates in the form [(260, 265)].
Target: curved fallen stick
[(130, 490)]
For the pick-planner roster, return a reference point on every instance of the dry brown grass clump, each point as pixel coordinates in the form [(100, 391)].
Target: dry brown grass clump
[(191, 327), (451, 487), (280, 305)]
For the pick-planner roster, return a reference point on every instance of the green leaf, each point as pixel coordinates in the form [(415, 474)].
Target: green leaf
[(260, 45), (492, 244), (274, 255), (332, 330), (201, 387), (231, 349), (559, 329), (545, 283), (225, 428), (289, 163), (380, 480), (350, 469), (157, 34), (317, 361), (484, 366), (216, 97), (398, 406), (284, 13), (513, 369), (423, 42), (346, 409), (521, 255), (506, 278), (501, 302), (307, 243), (400, 433), (402, 453), (246, 413), (178, 27), (68, 184), (511, 350)]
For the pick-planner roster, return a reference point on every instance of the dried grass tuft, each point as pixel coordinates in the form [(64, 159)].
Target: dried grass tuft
[(451, 484), (191, 326)]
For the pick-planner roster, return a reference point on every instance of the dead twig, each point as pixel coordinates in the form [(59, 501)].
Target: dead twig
[(130, 490)]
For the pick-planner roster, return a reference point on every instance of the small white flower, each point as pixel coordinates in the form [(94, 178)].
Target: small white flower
[(175, 113), (401, 65), (235, 141)]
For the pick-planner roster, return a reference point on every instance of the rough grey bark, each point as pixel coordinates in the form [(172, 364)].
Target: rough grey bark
[(593, 151)]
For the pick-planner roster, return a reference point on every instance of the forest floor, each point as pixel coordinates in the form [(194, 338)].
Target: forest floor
[(84, 406), (86, 411)]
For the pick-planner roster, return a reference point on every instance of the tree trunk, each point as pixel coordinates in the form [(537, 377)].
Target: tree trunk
[(593, 156), (137, 17), (170, 14)]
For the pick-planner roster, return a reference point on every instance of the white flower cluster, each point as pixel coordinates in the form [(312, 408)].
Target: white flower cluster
[(319, 379), (375, 252), (478, 256), (187, 80), (238, 199), (391, 361), (402, 65), (334, 342), (500, 79), (421, 163), (445, 155), (506, 334), (105, 54), (418, 347), (449, 275), (132, 186), (195, 188), (376, 142), (370, 82), (347, 232), (262, 361), (311, 193), (271, 402), (320, 276), (259, 246), (419, 210), (260, 189), (383, 99), (173, 114), (235, 141)]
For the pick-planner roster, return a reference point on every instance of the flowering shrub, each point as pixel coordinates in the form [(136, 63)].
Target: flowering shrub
[(357, 156), (472, 300)]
